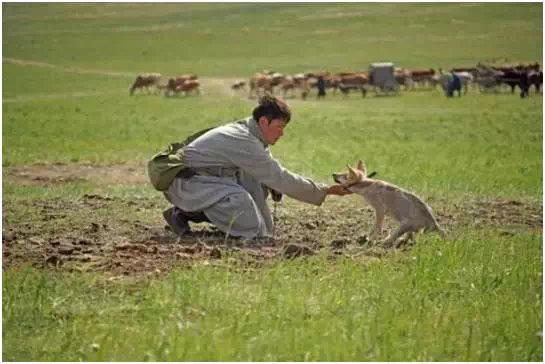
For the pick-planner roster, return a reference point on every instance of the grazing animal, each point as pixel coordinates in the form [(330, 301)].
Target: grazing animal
[(536, 78), (412, 213), (291, 83), (174, 84), (187, 87), (403, 77), (145, 81), (354, 81), (422, 77), (513, 78), (264, 81)]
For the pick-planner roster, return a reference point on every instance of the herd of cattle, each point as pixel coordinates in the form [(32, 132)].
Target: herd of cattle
[(488, 78), (186, 84)]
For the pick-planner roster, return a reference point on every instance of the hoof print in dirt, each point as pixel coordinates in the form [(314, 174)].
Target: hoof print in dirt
[(297, 250)]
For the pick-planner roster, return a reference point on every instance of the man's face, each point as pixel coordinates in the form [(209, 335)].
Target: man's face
[(273, 131)]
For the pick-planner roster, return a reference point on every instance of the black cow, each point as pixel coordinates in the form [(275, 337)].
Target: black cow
[(511, 79)]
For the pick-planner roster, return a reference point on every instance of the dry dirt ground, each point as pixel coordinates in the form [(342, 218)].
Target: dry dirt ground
[(125, 236)]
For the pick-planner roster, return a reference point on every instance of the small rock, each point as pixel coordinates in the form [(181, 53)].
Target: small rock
[(66, 249), (35, 240)]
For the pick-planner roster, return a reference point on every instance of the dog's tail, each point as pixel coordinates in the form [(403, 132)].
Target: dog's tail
[(440, 230), (434, 226)]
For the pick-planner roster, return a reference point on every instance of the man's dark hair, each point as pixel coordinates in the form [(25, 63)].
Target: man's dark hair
[(272, 108)]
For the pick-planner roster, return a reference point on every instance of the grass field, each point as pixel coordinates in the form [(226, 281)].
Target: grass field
[(90, 274)]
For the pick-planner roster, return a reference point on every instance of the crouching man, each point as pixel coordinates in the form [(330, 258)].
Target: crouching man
[(232, 173)]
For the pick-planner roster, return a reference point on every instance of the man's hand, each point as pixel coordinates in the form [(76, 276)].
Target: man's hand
[(338, 190)]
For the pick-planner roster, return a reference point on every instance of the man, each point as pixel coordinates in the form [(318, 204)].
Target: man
[(234, 174), (454, 83), (321, 87)]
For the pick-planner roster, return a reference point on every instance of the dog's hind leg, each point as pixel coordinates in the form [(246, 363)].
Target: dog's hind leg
[(434, 226), (402, 229)]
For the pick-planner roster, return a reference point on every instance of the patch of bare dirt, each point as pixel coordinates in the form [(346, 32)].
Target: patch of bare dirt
[(122, 237), (126, 237), (59, 173)]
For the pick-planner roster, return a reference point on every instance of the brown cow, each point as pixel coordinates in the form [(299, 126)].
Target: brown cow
[(353, 81), (174, 83), (297, 81), (423, 77), (264, 81), (145, 81), (403, 77), (187, 87)]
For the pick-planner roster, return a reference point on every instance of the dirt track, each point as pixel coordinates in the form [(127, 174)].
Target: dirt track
[(88, 234)]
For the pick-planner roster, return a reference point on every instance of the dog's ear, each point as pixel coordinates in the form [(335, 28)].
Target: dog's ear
[(353, 174), (361, 167)]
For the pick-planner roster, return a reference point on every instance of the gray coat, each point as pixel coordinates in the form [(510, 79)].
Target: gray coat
[(235, 171)]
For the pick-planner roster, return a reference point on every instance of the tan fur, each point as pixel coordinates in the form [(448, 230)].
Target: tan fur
[(412, 213)]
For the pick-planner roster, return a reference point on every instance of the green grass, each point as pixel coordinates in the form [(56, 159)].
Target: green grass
[(474, 298), (437, 303), (478, 145), (237, 39)]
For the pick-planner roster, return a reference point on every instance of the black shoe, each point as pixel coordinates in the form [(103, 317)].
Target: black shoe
[(177, 222)]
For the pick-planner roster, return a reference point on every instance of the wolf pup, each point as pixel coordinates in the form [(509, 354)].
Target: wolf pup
[(412, 213)]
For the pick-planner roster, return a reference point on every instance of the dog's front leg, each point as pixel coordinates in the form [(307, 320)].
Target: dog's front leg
[(379, 215)]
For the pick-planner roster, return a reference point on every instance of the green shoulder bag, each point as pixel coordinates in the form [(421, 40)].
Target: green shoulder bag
[(164, 166)]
